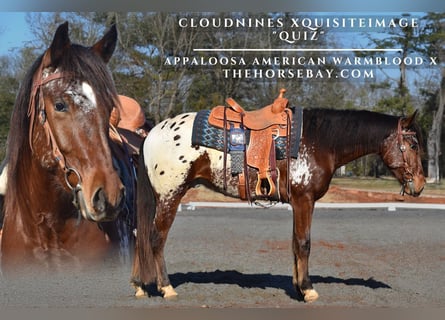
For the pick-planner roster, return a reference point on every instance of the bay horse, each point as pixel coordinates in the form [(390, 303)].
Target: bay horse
[(170, 165), (62, 180)]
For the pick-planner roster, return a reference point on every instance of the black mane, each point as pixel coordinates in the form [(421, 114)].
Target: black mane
[(336, 129)]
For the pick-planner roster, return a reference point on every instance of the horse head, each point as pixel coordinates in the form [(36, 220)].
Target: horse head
[(69, 108), (402, 154)]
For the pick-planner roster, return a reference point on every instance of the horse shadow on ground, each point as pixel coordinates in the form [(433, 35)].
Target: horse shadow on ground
[(266, 280)]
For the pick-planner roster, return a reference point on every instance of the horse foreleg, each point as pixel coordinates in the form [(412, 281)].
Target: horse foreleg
[(301, 243)]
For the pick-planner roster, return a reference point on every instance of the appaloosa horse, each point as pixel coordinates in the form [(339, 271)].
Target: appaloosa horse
[(61, 177), (170, 165)]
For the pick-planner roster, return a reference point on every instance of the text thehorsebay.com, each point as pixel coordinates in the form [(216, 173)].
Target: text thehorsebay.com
[(291, 59)]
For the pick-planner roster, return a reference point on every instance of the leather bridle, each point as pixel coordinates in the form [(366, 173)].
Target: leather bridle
[(37, 94), (408, 176)]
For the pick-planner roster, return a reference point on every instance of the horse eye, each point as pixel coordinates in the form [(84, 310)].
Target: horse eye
[(60, 107), (414, 147)]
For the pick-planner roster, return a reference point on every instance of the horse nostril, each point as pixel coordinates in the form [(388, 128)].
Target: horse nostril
[(417, 194), (102, 204), (99, 200)]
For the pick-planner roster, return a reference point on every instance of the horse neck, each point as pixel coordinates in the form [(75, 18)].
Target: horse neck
[(367, 140), (349, 135), (355, 150), (33, 190)]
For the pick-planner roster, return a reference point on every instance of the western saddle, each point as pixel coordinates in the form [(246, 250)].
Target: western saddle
[(265, 125)]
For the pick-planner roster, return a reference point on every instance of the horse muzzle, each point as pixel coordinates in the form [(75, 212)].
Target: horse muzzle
[(101, 209), (412, 187)]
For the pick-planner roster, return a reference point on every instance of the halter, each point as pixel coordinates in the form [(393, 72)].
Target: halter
[(407, 175), (38, 82)]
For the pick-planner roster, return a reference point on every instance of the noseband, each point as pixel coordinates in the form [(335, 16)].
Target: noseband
[(408, 174), (36, 93)]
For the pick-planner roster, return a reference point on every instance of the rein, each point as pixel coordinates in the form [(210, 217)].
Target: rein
[(408, 175), (37, 93)]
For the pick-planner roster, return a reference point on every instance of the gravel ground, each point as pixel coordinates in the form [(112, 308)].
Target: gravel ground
[(239, 258)]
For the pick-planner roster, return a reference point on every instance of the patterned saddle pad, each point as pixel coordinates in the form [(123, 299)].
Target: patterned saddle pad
[(209, 136)]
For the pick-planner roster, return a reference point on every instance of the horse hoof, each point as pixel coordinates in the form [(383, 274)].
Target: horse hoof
[(140, 293), (168, 292), (310, 295)]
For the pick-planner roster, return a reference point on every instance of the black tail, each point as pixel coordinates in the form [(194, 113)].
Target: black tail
[(146, 233)]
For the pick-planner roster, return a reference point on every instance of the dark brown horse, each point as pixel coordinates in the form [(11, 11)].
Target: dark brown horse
[(61, 176), (329, 140)]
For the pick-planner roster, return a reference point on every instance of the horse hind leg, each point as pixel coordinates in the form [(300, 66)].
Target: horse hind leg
[(155, 216), (163, 282), (149, 266), (144, 265), (135, 276), (149, 263)]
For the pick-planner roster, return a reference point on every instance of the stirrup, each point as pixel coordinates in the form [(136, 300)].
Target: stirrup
[(271, 185)]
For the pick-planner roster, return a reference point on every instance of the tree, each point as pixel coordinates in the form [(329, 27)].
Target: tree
[(429, 41), (8, 91), (406, 39), (433, 40), (146, 40)]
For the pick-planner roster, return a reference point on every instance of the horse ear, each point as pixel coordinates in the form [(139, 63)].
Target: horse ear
[(60, 43), (407, 122), (105, 47)]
